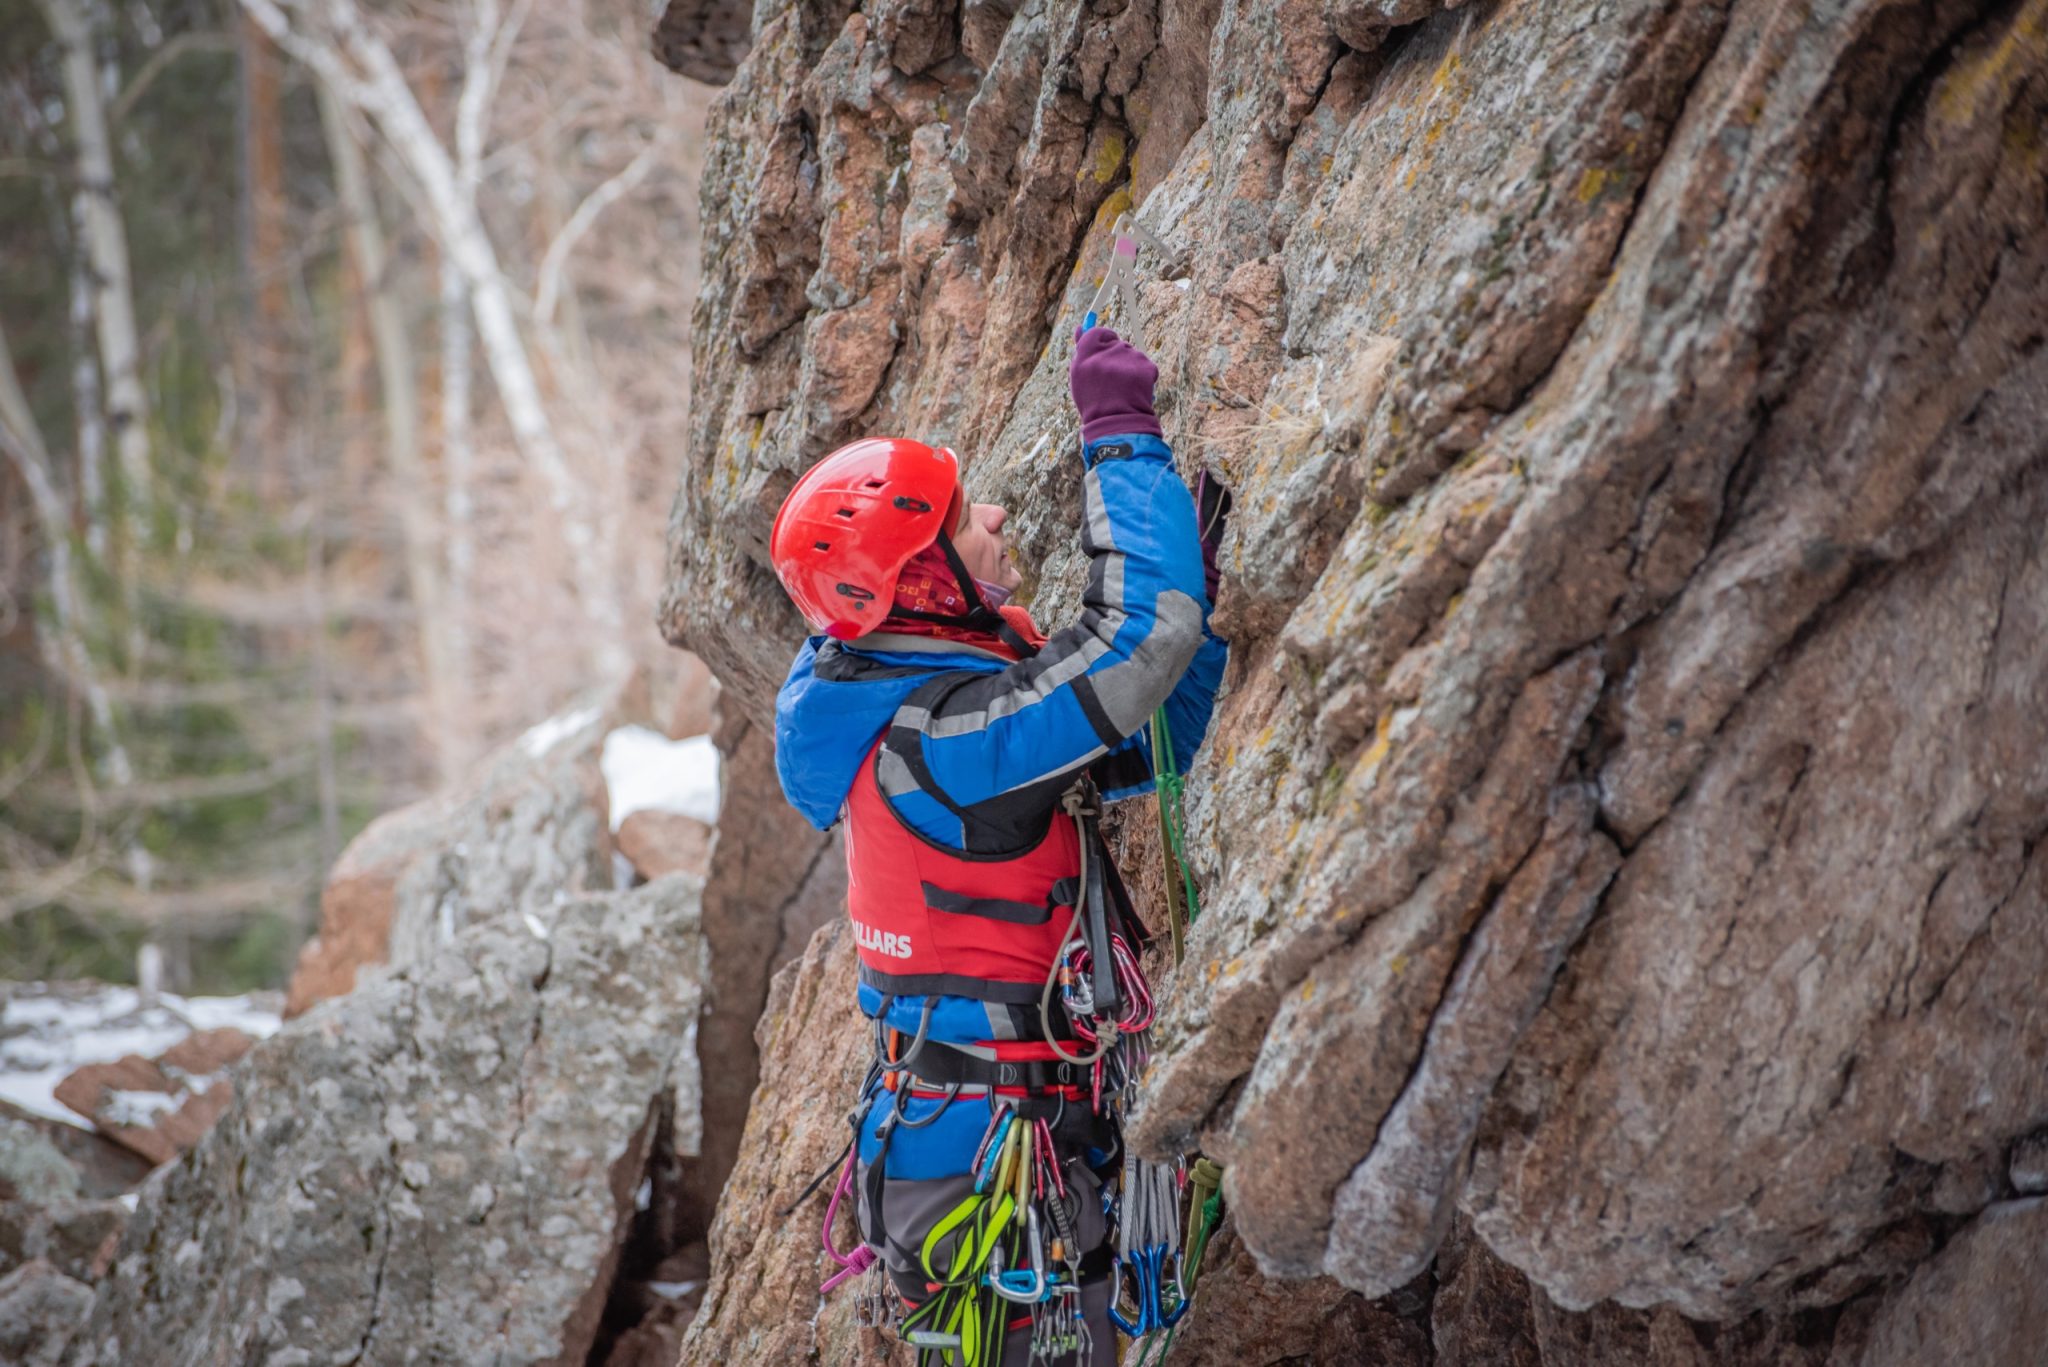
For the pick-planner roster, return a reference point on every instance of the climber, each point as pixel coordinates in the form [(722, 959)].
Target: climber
[(965, 752)]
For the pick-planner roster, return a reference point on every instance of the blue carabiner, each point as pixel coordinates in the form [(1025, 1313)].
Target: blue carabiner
[(1116, 1317), (995, 1152), (1160, 1317)]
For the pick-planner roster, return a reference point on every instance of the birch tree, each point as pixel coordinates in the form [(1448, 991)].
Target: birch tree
[(104, 241), (66, 655), (334, 42), (394, 355)]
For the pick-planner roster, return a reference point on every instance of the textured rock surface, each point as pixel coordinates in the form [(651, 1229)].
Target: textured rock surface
[(441, 1165), (1624, 824), (40, 1309), (527, 829), (77, 1237), (766, 1261), (773, 881), (32, 1167), (1984, 1298)]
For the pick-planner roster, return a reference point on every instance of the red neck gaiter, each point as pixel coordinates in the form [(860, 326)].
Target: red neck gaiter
[(927, 584)]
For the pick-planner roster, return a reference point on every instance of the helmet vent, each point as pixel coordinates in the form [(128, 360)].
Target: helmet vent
[(874, 484), (855, 591), (821, 545), (914, 505), (845, 512)]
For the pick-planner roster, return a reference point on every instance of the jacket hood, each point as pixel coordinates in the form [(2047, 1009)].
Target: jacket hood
[(834, 705)]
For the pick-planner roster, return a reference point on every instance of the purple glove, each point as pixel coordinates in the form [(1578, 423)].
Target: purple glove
[(1112, 383), (1212, 513)]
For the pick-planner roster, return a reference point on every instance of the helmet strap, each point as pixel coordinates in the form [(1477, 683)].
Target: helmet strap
[(979, 615)]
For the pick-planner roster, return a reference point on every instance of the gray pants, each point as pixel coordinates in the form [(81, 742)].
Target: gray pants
[(912, 1208)]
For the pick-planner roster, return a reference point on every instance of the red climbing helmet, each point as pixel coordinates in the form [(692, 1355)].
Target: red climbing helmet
[(854, 520)]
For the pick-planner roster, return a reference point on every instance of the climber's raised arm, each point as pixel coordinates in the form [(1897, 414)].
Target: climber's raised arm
[(978, 760)]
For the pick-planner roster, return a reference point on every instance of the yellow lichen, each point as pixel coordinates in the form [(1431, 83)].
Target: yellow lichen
[(1109, 159), (1594, 180), (1991, 77), (1118, 201), (1383, 741)]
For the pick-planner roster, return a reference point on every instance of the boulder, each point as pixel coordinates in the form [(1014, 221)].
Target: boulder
[(158, 1108), (524, 830), (357, 903), (703, 39), (98, 1166), (658, 843), (41, 1310), (1621, 836), (444, 1163)]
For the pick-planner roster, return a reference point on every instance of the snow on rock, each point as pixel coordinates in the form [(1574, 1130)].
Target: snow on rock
[(545, 736), (50, 1030), (646, 771)]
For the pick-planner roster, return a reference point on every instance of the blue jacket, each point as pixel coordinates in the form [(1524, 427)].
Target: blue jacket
[(998, 742)]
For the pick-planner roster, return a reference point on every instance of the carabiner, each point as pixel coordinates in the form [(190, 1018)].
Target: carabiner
[(1164, 1318), (1131, 1328), (1022, 1288)]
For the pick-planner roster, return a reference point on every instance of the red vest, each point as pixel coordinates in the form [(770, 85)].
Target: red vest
[(930, 921)]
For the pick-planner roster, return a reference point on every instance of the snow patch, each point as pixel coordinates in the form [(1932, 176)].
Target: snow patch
[(138, 1109), (646, 771), (49, 1031), (673, 1291), (552, 732)]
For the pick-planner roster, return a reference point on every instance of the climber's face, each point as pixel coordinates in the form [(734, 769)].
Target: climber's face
[(979, 539)]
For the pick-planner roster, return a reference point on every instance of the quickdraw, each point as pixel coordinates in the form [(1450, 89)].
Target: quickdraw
[(1147, 1241)]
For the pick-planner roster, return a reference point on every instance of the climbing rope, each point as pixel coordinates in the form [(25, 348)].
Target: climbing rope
[(1169, 787)]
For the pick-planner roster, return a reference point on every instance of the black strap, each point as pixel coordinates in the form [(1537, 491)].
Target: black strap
[(993, 908), (952, 985), (938, 1065), (1097, 909)]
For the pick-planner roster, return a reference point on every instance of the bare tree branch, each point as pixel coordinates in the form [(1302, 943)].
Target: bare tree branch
[(548, 283), (340, 48), (177, 47), (24, 443)]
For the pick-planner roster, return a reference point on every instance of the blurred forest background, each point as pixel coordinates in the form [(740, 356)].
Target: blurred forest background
[(343, 376)]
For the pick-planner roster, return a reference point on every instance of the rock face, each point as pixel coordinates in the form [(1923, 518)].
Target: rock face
[(766, 1259), (1623, 831), (773, 881), (40, 1309), (440, 1166), (1981, 1300)]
